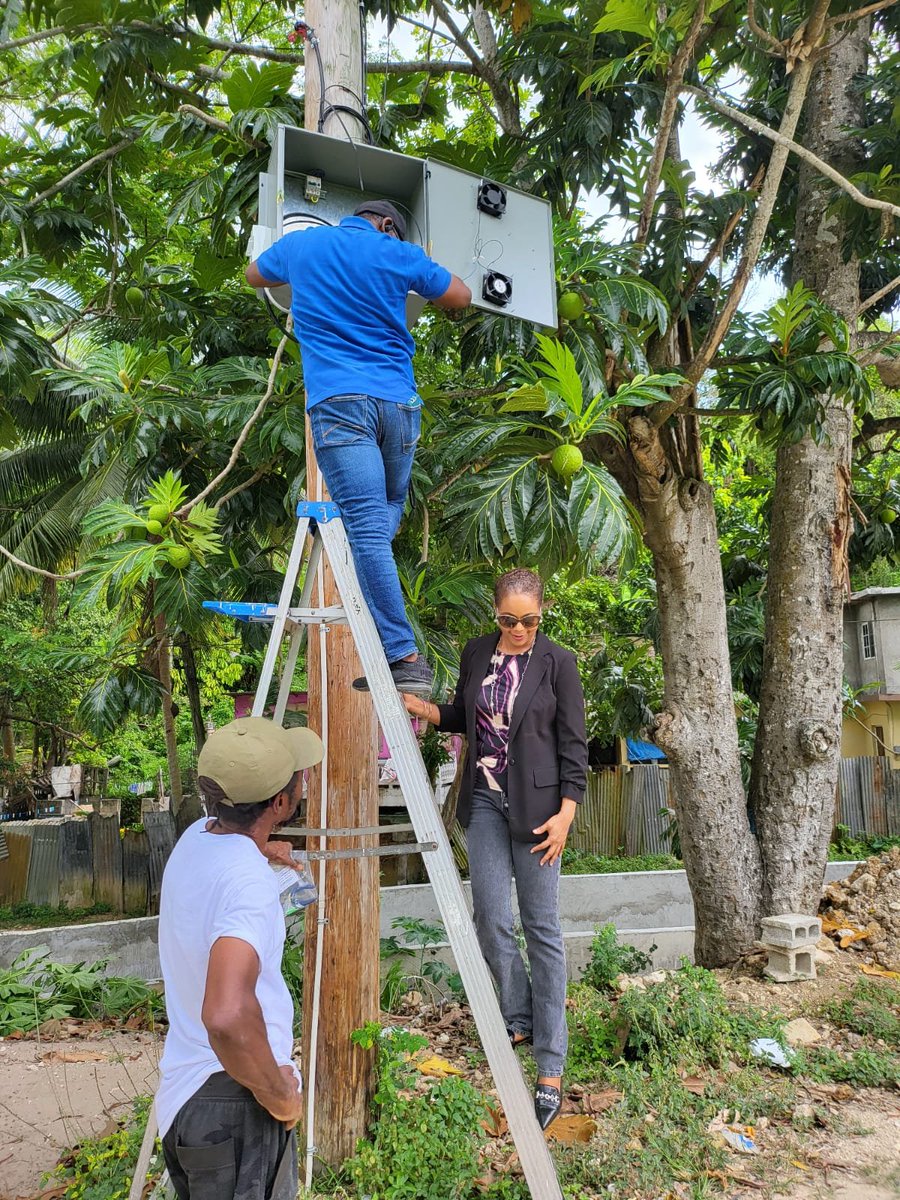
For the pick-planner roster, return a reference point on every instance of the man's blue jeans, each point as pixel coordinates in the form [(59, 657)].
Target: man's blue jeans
[(364, 448)]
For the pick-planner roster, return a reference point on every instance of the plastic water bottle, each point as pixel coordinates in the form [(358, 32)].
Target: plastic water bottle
[(296, 884)]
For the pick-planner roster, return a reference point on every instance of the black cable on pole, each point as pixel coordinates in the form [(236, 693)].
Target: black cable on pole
[(273, 313)]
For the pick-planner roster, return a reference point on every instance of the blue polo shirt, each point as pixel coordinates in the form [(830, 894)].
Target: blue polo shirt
[(349, 284)]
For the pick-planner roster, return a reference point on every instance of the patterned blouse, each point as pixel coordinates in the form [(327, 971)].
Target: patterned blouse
[(493, 713)]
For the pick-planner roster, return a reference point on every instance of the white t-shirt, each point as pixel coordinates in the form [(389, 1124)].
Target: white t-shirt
[(215, 885)]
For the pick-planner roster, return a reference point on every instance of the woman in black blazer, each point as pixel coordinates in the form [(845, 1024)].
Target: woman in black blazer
[(520, 703)]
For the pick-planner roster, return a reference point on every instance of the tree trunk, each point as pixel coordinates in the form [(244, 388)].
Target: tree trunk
[(798, 746), (192, 688), (7, 737), (697, 728), (164, 675)]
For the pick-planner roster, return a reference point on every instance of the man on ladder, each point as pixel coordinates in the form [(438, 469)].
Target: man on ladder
[(349, 285)]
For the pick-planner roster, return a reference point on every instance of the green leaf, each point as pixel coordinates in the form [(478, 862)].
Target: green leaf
[(253, 85), (168, 490), (561, 372), (628, 16), (604, 524)]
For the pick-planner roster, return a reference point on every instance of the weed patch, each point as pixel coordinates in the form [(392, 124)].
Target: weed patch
[(427, 1134), (861, 1068), (101, 1168), (871, 1009)]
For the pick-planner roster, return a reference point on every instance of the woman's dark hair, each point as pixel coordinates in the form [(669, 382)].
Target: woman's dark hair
[(238, 816), (523, 581)]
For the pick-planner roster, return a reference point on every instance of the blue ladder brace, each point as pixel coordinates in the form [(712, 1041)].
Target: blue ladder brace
[(323, 520)]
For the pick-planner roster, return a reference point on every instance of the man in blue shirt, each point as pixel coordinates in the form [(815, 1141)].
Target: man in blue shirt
[(349, 285)]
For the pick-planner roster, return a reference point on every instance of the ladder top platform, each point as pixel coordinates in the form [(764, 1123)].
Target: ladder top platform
[(252, 613), (267, 614)]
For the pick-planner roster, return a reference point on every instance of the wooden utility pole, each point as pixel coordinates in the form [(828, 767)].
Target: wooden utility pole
[(349, 989)]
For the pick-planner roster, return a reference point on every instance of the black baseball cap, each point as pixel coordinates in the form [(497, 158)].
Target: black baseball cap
[(383, 208)]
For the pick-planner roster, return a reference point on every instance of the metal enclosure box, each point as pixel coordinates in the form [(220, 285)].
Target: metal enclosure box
[(316, 179)]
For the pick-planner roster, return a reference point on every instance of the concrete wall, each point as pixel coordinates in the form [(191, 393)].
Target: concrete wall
[(646, 907)]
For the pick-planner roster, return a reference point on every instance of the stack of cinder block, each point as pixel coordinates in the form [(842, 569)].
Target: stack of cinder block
[(790, 939)]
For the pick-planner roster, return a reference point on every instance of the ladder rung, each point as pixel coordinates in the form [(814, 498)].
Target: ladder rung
[(264, 614)]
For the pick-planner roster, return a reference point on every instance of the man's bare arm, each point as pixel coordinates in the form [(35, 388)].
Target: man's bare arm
[(457, 295), (256, 279), (237, 1032)]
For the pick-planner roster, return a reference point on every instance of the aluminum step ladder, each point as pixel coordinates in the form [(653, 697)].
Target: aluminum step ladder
[(323, 521)]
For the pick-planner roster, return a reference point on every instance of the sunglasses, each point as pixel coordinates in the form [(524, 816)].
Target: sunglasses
[(530, 622)]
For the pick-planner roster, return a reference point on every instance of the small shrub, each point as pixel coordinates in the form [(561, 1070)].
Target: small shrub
[(593, 1034), (610, 958), (848, 846), (34, 990), (424, 1144), (415, 963)]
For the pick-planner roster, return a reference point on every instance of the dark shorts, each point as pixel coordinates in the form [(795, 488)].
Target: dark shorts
[(223, 1145)]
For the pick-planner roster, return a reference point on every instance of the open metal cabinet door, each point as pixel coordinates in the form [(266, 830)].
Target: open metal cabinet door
[(313, 179), (497, 239)]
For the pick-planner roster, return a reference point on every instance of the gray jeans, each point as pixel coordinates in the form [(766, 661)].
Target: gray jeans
[(223, 1145), (537, 1005)]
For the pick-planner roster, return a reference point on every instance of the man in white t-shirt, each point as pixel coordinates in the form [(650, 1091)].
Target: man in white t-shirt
[(229, 1096)]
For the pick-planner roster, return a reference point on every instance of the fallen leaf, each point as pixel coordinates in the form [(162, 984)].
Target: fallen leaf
[(437, 1066), (694, 1084), (572, 1129), (599, 1102), (494, 1124), (855, 935), (795, 1162), (73, 1056), (880, 971)]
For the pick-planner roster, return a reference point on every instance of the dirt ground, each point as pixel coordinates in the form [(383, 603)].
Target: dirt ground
[(54, 1093)]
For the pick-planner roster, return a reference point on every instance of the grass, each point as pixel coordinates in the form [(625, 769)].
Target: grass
[(24, 915), (582, 862)]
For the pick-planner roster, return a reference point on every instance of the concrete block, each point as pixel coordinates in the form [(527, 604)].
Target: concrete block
[(791, 930), (788, 965)]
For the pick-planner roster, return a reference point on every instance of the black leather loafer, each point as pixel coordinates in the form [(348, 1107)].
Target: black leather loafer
[(547, 1103)]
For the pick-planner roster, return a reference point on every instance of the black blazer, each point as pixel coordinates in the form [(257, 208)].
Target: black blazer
[(547, 740)]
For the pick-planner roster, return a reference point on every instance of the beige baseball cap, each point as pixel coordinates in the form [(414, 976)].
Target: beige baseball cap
[(252, 759)]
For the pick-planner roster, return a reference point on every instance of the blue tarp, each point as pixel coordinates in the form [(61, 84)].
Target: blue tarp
[(643, 751)]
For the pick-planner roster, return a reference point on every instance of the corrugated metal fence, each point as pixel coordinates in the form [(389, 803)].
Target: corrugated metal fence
[(61, 860), (869, 796), (621, 812)]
